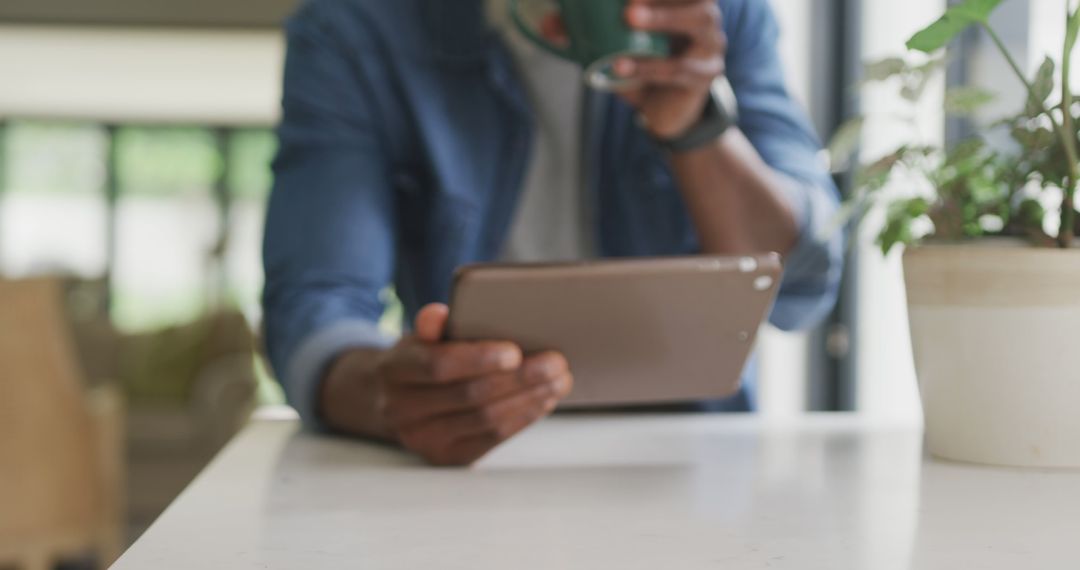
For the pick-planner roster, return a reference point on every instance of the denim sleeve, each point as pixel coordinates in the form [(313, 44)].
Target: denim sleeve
[(329, 242), (781, 133)]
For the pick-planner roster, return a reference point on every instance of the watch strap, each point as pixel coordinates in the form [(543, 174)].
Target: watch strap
[(716, 118)]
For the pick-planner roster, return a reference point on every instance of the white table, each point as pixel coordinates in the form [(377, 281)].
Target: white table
[(678, 492)]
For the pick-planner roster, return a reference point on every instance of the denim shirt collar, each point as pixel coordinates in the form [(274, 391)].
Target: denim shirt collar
[(460, 34), (458, 29)]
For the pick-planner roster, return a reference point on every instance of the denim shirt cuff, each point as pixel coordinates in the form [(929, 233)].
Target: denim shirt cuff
[(813, 210), (306, 368)]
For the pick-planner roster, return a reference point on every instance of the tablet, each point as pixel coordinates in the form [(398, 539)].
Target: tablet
[(637, 331)]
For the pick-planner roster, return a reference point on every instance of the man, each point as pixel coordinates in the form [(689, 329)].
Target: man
[(420, 135)]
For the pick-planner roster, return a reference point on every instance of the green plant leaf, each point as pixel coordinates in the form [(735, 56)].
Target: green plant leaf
[(939, 34), (876, 174), (913, 90), (1042, 87), (978, 10), (956, 19), (884, 69), (1031, 213), (844, 142), (918, 78), (915, 207), (932, 65), (1037, 140), (967, 100), (849, 214), (899, 218)]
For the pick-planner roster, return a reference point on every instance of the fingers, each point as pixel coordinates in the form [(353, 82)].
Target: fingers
[(683, 72), (451, 362), (457, 424), (453, 402), (698, 20), (470, 449), (417, 363), (698, 23), (431, 322), (634, 96), (407, 404), (460, 439), (554, 367), (494, 419)]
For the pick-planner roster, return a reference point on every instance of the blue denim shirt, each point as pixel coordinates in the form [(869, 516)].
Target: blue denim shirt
[(403, 147)]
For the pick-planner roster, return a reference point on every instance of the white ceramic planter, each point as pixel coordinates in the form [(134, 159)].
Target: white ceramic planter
[(995, 328)]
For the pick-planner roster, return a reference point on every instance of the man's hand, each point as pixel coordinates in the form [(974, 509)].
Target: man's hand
[(450, 403), (670, 94)]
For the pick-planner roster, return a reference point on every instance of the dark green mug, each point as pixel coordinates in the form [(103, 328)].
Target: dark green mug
[(598, 36)]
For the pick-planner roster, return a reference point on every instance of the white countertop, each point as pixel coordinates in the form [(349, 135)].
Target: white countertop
[(830, 492)]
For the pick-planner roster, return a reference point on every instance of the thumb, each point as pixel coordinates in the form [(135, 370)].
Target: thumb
[(431, 322)]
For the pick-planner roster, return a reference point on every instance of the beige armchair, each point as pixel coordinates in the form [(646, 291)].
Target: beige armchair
[(188, 389), (61, 464)]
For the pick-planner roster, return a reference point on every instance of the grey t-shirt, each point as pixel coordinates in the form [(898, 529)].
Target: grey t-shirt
[(551, 222)]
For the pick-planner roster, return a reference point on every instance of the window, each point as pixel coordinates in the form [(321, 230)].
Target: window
[(52, 211)]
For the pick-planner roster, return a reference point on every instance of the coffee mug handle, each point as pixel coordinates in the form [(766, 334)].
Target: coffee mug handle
[(519, 21)]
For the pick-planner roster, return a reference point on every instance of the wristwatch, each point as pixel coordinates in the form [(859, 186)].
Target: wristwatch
[(719, 115)]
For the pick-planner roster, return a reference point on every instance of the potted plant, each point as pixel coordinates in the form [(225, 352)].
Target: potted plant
[(992, 275)]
